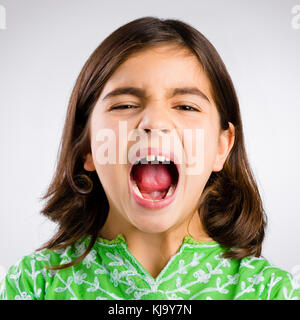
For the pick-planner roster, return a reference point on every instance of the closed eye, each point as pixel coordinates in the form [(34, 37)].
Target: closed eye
[(187, 108), (130, 106), (124, 106)]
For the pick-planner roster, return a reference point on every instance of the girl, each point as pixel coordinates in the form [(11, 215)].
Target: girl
[(149, 226)]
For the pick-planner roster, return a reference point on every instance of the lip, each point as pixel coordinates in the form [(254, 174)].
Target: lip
[(166, 201)]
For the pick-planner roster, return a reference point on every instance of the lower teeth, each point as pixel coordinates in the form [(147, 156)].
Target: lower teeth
[(171, 190), (137, 191)]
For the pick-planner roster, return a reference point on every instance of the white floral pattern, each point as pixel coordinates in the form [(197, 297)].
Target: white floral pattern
[(110, 271)]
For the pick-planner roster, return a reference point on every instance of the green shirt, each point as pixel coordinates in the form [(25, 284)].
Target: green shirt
[(110, 271)]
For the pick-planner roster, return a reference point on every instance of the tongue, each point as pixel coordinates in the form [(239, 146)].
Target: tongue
[(153, 180)]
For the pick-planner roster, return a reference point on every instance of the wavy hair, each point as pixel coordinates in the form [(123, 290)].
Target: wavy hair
[(230, 209)]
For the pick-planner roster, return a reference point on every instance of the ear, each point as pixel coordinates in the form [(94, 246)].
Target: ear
[(226, 141), (89, 163)]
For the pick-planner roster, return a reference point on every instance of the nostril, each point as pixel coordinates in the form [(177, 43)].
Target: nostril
[(162, 130)]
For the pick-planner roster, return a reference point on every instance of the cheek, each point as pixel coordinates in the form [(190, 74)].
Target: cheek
[(211, 146), (104, 139), (108, 175), (111, 135), (106, 144), (200, 146)]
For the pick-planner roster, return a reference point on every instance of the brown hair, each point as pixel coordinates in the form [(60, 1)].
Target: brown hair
[(231, 209)]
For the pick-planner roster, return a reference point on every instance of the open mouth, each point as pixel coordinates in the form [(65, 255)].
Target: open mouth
[(154, 178)]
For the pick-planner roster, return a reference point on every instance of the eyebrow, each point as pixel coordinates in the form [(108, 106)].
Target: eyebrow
[(140, 93)]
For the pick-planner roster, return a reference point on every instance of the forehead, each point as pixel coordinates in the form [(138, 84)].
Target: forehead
[(159, 68)]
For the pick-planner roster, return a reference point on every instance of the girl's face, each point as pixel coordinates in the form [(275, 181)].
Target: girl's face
[(156, 73)]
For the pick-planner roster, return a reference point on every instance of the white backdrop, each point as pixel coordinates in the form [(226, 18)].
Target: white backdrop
[(43, 48)]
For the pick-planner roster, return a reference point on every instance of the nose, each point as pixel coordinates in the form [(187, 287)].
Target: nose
[(155, 118)]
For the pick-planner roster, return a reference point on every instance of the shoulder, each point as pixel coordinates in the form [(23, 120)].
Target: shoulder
[(267, 281), (22, 277), (27, 278)]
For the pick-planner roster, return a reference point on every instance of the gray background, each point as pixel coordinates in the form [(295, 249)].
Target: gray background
[(44, 47)]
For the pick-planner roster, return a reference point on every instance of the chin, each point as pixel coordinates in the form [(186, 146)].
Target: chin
[(151, 224)]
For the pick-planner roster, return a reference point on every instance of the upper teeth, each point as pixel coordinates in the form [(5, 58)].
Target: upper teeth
[(154, 158)]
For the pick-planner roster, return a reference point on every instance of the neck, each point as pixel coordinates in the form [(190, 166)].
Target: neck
[(154, 250)]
